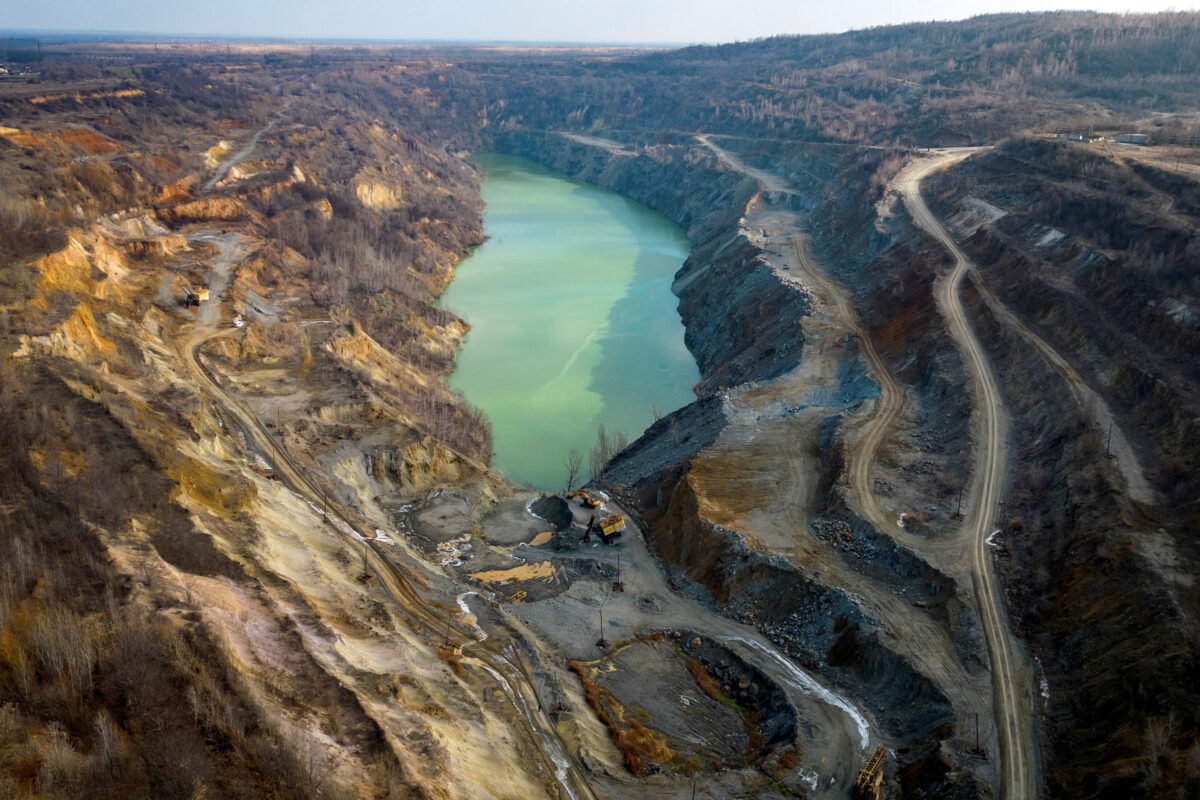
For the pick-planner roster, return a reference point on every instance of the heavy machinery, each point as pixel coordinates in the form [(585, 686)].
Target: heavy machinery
[(194, 298), (608, 529), (869, 783), (586, 500), (611, 527)]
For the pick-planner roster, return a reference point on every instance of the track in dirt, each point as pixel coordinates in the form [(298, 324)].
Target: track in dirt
[(888, 405), (1013, 710), (488, 655), (247, 149), (913, 634), (1087, 399), (891, 398)]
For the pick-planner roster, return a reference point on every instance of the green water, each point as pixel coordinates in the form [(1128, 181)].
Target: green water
[(573, 320)]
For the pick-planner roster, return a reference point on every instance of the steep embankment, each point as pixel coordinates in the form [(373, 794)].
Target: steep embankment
[(221, 468), (1085, 301), (733, 506)]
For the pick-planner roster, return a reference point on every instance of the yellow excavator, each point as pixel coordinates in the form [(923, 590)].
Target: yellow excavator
[(586, 500)]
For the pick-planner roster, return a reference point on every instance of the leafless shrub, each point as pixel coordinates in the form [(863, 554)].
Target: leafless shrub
[(607, 445), (573, 465), (65, 646), (111, 741), (64, 770)]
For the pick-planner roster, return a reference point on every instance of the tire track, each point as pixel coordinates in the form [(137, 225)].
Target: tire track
[(1013, 709), (488, 655)]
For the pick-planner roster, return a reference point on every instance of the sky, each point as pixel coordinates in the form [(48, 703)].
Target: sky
[(633, 21)]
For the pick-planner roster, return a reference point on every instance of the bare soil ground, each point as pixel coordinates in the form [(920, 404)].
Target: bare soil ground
[(568, 625), (777, 516)]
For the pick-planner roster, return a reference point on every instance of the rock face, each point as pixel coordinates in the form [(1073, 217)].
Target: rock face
[(748, 325), (734, 310), (1086, 313), (189, 489)]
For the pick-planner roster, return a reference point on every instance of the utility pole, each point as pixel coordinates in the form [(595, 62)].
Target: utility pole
[(1108, 444), (617, 585), (958, 509)]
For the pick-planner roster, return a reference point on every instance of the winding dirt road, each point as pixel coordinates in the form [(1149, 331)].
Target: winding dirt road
[(888, 405), (248, 148), (891, 398), (1088, 399), (911, 633), (489, 655), (1013, 707)]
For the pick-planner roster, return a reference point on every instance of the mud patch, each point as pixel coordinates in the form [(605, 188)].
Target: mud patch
[(445, 516), (683, 703)]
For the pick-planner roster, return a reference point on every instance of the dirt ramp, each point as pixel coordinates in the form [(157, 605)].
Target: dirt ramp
[(681, 702)]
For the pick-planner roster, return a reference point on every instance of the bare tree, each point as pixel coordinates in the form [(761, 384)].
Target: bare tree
[(574, 464), (607, 445), (598, 455)]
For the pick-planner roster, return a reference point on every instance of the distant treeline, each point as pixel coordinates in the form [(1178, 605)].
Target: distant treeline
[(20, 50), (977, 80)]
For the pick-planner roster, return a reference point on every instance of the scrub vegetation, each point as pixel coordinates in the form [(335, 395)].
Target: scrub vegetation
[(201, 589)]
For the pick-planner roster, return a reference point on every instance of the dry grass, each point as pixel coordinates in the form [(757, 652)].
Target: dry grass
[(707, 683), (99, 696), (637, 742)]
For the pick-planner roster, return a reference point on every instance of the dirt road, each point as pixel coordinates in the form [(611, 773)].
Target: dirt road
[(888, 405), (1087, 398), (769, 181), (1177, 160), (488, 655), (1013, 707), (614, 147), (244, 153), (911, 632)]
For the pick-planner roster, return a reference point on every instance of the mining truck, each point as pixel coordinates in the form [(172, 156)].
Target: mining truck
[(608, 529), (611, 527), (194, 297)]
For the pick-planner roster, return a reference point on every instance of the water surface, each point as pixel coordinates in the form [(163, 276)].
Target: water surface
[(573, 320)]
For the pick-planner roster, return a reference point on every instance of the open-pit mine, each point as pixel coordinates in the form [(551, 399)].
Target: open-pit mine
[(813, 417)]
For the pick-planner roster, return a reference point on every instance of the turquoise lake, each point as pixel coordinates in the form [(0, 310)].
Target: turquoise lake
[(573, 321)]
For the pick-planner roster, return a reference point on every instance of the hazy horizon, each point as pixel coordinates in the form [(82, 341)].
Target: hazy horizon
[(618, 22)]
